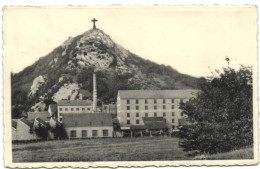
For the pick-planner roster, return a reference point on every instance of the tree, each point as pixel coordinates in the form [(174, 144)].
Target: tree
[(42, 131), (59, 131), (220, 119)]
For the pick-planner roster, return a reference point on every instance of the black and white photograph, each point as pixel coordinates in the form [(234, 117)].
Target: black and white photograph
[(162, 85)]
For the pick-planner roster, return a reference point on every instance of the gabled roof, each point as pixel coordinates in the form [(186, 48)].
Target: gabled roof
[(44, 115), (27, 122), (87, 119), (157, 94), (41, 121), (154, 123), (85, 93), (53, 107), (74, 103), (14, 123)]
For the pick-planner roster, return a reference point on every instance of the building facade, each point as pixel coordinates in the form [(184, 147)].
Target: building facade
[(88, 125), (133, 105), (22, 130), (73, 106)]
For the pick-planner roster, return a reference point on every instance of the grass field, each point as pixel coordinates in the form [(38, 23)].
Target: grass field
[(114, 149), (245, 153), (111, 149)]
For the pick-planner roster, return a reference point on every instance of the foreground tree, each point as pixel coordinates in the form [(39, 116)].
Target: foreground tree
[(220, 119), (42, 131), (59, 131)]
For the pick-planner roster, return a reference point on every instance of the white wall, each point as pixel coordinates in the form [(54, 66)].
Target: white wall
[(89, 131)]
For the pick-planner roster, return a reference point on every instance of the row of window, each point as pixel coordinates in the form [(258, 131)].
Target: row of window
[(72, 109), (138, 122), (155, 114), (154, 101), (84, 133), (146, 107)]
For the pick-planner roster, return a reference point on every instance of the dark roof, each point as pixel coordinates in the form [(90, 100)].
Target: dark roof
[(14, 124), (41, 121), (85, 93), (74, 103), (157, 94), (44, 115), (154, 123), (53, 107), (87, 119), (27, 122), (137, 127)]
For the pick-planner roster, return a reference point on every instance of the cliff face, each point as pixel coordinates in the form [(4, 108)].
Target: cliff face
[(68, 69)]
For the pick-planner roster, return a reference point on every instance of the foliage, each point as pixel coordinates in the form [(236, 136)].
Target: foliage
[(220, 118), (42, 131), (59, 131)]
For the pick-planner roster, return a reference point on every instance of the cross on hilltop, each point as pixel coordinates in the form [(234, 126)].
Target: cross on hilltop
[(94, 25)]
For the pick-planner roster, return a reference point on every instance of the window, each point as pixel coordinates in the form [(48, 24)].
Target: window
[(105, 133), (164, 107), (163, 101), (77, 109), (155, 114), (155, 107), (128, 115), (146, 114), (60, 114), (154, 101), (172, 100), (172, 106), (128, 101), (137, 114), (182, 113), (172, 120), (146, 107), (137, 107), (128, 107), (84, 133), (71, 109), (60, 109), (94, 133), (128, 121), (136, 101), (173, 127), (173, 114), (164, 114), (137, 121), (60, 119), (66, 109), (83, 109), (73, 133), (146, 101), (88, 108)]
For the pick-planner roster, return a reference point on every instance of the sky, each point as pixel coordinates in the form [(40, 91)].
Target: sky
[(192, 40)]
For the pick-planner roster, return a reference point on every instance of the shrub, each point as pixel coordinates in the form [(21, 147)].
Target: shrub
[(220, 118)]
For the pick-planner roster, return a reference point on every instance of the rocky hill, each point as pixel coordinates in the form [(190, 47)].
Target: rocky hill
[(66, 73)]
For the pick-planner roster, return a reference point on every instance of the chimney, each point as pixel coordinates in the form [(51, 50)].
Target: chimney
[(94, 92)]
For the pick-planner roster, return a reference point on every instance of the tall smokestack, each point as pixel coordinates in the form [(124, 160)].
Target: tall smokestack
[(94, 92)]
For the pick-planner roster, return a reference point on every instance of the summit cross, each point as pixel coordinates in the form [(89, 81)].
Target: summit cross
[(94, 25)]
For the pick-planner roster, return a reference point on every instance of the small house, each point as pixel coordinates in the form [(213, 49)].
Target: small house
[(88, 125)]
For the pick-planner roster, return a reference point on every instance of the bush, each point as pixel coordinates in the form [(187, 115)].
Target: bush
[(59, 131), (42, 131), (221, 117)]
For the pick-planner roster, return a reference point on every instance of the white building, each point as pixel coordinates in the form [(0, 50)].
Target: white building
[(133, 105), (73, 106)]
